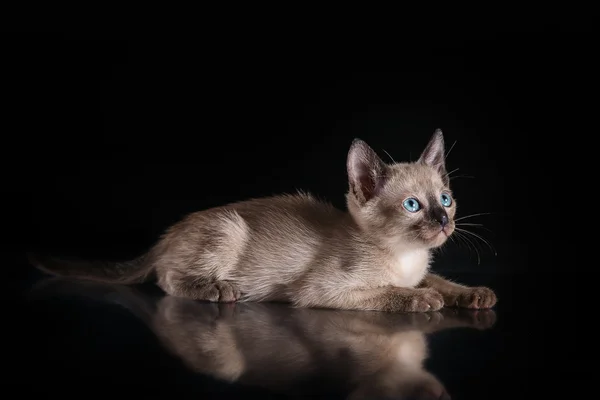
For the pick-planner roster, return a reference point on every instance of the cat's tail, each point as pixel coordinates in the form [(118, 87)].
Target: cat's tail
[(128, 272)]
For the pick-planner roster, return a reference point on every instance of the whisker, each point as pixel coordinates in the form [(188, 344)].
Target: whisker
[(462, 176), (462, 240), (474, 244), (454, 240), (470, 239), (469, 243), (388, 154), (451, 147), (454, 170), (480, 238), (470, 216), (475, 225), (453, 237)]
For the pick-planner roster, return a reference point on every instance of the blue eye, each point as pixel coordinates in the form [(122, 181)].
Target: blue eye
[(411, 204), (446, 200)]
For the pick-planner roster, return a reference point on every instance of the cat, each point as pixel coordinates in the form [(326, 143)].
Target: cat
[(301, 351), (301, 250)]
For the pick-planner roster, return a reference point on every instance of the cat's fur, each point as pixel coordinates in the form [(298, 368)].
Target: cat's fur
[(286, 350), (297, 249)]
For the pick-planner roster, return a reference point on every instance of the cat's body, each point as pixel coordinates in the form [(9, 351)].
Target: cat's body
[(285, 248), (294, 248)]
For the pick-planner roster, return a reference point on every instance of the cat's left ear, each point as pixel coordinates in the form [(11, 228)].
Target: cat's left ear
[(366, 171), (434, 156)]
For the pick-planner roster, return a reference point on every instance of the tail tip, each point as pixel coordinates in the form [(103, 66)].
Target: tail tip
[(38, 261)]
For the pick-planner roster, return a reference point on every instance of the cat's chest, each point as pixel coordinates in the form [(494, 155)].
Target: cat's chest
[(407, 269)]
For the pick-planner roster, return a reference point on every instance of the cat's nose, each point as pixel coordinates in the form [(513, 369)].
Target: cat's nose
[(443, 220), (440, 216)]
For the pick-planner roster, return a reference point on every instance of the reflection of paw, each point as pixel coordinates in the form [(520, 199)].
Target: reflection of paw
[(434, 318), (226, 310), (475, 297), (478, 319), (430, 393), (421, 320), (483, 319), (177, 309), (427, 319), (421, 387)]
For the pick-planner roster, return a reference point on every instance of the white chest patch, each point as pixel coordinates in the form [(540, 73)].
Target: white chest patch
[(409, 268)]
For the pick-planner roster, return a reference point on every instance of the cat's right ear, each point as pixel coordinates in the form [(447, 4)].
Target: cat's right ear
[(366, 171)]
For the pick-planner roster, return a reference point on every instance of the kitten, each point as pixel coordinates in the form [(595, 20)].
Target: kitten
[(297, 249), (300, 351)]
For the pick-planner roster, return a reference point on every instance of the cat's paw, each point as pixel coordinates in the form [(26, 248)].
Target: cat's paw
[(423, 300), (218, 292), (475, 297), (228, 292)]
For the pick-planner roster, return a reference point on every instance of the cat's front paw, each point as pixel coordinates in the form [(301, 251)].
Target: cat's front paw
[(423, 300), (475, 297), (228, 291)]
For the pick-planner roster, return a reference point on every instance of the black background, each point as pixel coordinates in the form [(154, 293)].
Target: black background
[(110, 138)]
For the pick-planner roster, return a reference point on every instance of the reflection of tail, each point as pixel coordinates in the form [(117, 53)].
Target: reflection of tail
[(138, 303), (128, 272)]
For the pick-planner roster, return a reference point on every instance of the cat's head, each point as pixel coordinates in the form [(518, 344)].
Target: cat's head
[(406, 204)]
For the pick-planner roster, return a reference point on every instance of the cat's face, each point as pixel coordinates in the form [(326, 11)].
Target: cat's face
[(402, 204)]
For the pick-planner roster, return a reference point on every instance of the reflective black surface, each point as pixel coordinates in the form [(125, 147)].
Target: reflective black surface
[(106, 338)]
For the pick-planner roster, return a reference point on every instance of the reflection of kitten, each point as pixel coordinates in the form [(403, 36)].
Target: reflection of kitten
[(364, 355), (300, 351), (297, 249)]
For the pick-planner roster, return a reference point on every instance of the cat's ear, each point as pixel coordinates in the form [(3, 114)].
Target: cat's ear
[(434, 156), (366, 171)]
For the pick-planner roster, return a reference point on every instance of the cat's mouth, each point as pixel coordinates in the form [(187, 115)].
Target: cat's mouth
[(447, 230), (439, 236)]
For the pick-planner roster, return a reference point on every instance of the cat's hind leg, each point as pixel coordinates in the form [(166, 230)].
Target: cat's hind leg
[(222, 291), (199, 260)]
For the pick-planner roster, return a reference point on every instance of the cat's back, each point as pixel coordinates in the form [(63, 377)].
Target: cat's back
[(281, 223), (290, 210), (299, 209)]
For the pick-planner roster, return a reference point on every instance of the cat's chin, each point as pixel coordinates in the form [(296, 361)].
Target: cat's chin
[(438, 239)]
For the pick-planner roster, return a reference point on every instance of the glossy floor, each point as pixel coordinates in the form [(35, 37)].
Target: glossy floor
[(85, 338)]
